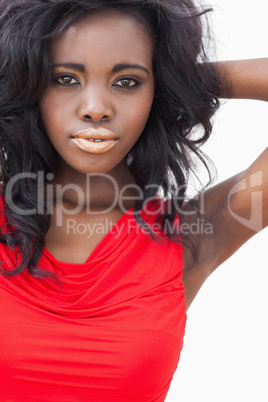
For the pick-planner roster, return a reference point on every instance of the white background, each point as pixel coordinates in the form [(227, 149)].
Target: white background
[(225, 352)]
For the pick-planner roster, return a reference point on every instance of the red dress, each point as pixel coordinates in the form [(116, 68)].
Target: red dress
[(112, 332)]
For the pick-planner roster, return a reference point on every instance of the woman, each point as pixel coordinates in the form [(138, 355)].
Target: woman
[(104, 127)]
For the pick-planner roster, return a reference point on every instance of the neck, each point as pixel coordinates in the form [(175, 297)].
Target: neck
[(116, 188)]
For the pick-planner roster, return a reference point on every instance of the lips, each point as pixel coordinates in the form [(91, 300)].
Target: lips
[(95, 141)]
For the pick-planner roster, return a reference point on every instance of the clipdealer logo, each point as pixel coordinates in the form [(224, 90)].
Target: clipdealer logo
[(254, 222), (54, 195)]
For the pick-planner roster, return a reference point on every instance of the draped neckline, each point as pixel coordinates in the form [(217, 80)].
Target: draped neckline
[(97, 249)]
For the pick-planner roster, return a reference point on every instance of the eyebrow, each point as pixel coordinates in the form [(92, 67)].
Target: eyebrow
[(116, 68), (125, 66), (72, 66)]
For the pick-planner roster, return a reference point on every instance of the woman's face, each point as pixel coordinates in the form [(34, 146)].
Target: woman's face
[(101, 92)]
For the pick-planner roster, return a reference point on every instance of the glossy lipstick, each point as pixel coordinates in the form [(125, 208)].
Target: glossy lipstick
[(97, 141)]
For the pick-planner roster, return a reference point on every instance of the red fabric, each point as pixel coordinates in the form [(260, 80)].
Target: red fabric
[(113, 332)]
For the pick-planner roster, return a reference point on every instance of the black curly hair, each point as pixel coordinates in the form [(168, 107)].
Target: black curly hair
[(185, 97)]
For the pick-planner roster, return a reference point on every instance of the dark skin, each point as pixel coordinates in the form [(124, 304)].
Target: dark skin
[(96, 97), (92, 95)]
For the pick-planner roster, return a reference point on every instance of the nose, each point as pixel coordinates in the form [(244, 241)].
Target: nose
[(95, 106)]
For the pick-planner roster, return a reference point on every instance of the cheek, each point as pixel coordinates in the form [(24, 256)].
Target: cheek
[(138, 116), (52, 112), (53, 122), (46, 109)]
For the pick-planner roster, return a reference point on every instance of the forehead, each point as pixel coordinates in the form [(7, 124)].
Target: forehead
[(107, 36)]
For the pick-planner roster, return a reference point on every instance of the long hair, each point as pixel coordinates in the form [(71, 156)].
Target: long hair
[(185, 97)]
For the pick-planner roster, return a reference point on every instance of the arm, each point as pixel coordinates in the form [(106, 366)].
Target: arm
[(234, 211), (237, 208), (244, 79)]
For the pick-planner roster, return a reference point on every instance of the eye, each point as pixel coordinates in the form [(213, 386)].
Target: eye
[(127, 83), (65, 80)]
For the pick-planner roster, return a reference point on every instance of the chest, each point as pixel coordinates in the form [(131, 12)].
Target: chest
[(91, 345), (77, 236), (112, 332)]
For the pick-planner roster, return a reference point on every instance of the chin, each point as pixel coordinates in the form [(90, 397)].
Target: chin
[(95, 169)]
